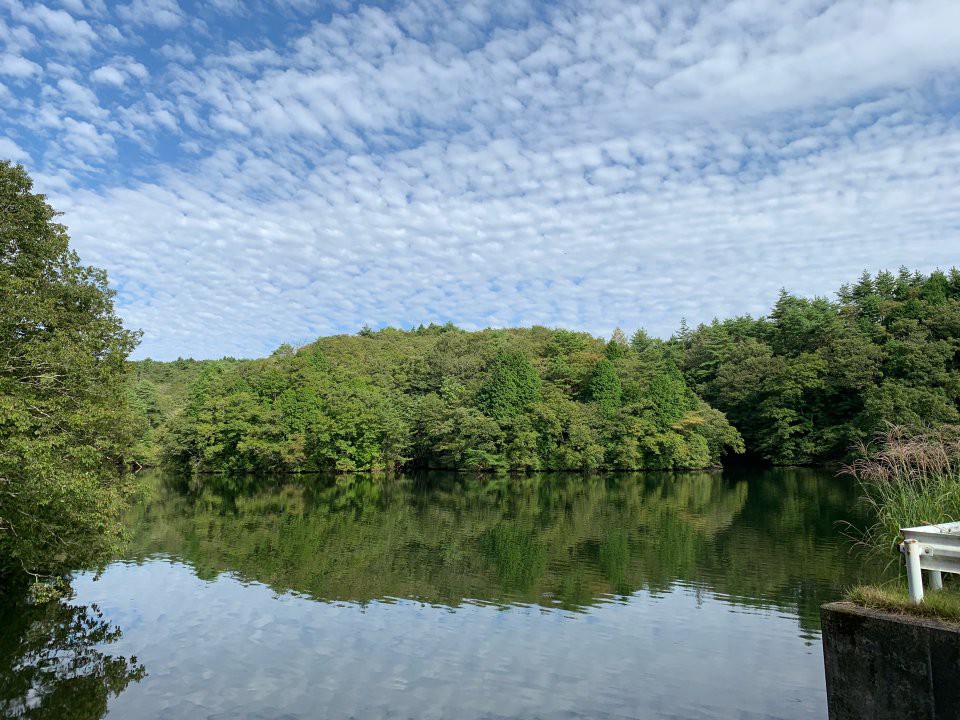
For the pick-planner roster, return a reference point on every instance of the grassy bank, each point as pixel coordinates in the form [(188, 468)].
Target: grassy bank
[(943, 605)]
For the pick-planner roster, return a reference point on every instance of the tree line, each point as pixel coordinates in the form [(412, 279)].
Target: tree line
[(817, 377), (439, 397), (805, 384)]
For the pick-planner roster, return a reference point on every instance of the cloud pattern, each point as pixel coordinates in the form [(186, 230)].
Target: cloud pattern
[(256, 173)]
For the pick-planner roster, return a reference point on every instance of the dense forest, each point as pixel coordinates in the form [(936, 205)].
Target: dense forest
[(817, 377), (434, 397), (805, 384)]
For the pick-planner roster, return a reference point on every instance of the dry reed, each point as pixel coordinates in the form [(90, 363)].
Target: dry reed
[(908, 478)]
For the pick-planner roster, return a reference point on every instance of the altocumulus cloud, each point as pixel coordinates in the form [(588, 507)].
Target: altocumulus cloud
[(252, 173)]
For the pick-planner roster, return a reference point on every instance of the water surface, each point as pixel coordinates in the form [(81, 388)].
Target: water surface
[(690, 595)]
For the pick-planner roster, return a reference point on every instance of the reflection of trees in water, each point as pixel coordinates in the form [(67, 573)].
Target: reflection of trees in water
[(53, 663), (563, 540), (787, 549)]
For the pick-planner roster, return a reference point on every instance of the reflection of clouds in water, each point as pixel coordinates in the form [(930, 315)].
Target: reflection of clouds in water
[(225, 649)]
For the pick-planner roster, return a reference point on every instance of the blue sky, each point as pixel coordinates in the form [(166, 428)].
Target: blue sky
[(258, 173)]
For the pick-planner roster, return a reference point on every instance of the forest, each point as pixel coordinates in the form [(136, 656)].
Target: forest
[(435, 397), (805, 384)]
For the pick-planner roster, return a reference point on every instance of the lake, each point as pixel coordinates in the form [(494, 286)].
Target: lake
[(674, 595)]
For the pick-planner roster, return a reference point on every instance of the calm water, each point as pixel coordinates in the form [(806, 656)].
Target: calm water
[(635, 596)]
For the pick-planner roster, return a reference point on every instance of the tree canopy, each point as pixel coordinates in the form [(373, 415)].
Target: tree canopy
[(817, 376), (64, 420), (802, 385), (437, 397)]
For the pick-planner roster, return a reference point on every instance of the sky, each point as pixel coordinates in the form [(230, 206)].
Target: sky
[(257, 173)]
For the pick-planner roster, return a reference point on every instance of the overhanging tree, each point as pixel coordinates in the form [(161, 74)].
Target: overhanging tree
[(64, 419)]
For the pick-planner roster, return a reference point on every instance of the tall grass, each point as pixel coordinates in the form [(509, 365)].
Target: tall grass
[(909, 478)]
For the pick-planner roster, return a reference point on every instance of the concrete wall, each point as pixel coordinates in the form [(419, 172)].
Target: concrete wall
[(882, 666)]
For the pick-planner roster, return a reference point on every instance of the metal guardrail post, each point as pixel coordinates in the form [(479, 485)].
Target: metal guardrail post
[(911, 548), (934, 548)]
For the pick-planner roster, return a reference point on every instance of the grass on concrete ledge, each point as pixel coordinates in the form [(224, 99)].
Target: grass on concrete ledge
[(941, 605)]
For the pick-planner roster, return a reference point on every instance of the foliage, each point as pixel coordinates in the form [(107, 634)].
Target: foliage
[(817, 377), (437, 397), (511, 387), (605, 388), (64, 417)]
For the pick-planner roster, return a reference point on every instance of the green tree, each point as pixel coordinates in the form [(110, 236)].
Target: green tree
[(64, 414), (605, 388), (512, 387), (618, 346)]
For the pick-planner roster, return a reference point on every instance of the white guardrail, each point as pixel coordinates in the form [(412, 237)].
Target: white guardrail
[(934, 548)]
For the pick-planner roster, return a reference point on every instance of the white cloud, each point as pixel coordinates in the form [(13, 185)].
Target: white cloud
[(137, 70), (71, 35), (177, 53), (80, 100), (17, 66), (161, 13), (9, 150), (84, 139), (16, 38), (108, 75), (117, 72)]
